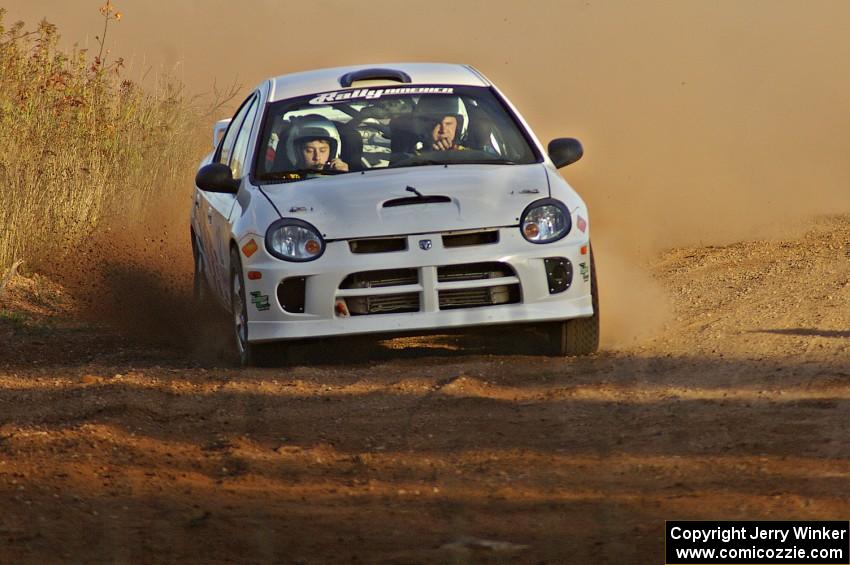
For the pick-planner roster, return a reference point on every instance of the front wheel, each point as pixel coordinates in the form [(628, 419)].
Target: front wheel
[(579, 336), (200, 287), (247, 354)]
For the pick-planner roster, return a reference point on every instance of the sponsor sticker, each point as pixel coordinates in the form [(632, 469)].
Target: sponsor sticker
[(584, 271), (261, 301), (375, 93)]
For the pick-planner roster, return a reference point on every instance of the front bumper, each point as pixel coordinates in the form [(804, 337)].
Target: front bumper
[(323, 278)]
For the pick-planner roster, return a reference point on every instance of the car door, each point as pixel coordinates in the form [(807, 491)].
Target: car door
[(216, 207), (222, 209)]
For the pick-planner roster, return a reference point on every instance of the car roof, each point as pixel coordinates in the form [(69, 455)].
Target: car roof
[(327, 80)]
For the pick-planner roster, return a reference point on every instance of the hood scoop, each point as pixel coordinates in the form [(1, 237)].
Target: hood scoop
[(410, 200), (418, 199)]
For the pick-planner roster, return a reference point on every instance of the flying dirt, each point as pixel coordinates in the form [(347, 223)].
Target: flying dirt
[(464, 448)]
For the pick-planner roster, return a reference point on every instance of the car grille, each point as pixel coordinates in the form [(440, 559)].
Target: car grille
[(474, 271), (470, 238), (378, 245), (475, 298), (383, 304), (377, 279), (400, 243), (395, 291)]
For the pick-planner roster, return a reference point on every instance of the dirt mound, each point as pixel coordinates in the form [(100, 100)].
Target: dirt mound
[(781, 297)]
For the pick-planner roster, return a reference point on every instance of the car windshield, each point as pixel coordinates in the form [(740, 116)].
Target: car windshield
[(360, 129)]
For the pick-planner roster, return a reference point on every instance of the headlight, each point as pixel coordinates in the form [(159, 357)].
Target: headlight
[(545, 221), (294, 240)]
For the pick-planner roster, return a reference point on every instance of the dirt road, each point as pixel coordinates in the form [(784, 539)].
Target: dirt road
[(444, 449)]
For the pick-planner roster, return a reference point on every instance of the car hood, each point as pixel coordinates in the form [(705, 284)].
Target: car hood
[(355, 205)]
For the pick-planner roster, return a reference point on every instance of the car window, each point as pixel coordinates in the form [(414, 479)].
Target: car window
[(226, 148), (373, 128), (240, 148)]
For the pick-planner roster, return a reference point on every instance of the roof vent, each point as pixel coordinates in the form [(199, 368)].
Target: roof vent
[(392, 75)]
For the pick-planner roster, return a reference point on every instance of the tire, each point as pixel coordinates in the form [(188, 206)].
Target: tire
[(200, 287), (579, 336), (246, 354)]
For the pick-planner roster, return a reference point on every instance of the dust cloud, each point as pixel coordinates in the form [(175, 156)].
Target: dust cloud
[(703, 122), (135, 276)]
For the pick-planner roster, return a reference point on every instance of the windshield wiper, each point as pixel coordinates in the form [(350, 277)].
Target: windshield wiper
[(297, 174)]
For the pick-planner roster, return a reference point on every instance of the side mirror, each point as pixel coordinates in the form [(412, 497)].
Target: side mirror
[(216, 177), (565, 151)]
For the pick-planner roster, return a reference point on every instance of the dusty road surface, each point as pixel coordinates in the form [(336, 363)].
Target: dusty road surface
[(440, 449)]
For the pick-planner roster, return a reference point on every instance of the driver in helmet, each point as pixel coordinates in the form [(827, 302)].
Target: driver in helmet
[(314, 143), (440, 121)]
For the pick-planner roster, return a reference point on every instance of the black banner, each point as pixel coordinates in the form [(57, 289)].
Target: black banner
[(690, 542)]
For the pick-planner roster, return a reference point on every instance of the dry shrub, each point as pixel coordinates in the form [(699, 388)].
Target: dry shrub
[(96, 174), (82, 147)]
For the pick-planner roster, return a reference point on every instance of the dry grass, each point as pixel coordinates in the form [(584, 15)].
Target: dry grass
[(80, 144)]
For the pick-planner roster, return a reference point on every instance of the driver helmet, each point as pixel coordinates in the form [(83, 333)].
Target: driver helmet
[(308, 128), (432, 108)]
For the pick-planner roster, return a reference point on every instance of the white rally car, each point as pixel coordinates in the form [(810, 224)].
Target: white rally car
[(400, 198)]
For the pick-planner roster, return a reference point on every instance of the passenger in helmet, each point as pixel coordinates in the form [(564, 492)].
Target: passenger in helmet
[(314, 143), (440, 122)]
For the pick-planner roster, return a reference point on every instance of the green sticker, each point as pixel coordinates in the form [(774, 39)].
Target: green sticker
[(261, 301), (585, 272)]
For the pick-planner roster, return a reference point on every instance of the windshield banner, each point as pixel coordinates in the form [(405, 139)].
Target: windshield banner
[(373, 93)]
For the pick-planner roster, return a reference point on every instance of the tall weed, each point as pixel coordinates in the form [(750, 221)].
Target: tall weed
[(80, 144)]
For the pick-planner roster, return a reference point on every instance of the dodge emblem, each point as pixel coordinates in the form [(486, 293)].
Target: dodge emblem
[(424, 244)]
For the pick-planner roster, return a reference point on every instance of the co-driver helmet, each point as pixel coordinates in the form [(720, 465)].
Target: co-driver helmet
[(310, 127)]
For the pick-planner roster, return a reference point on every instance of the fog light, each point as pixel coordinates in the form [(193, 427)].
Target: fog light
[(291, 294), (559, 274)]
